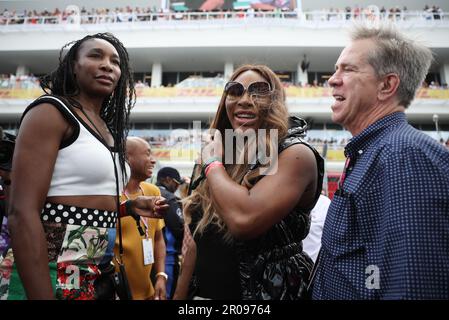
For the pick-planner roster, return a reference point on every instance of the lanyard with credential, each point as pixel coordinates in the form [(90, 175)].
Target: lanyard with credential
[(141, 232), (146, 227), (147, 245), (340, 191), (343, 174)]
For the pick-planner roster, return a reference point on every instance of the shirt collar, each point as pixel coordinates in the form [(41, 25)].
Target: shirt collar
[(358, 144)]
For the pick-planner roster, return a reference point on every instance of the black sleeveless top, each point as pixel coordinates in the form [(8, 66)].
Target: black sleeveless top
[(274, 266), (271, 267), (216, 274)]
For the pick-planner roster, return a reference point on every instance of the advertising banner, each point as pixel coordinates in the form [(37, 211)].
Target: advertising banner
[(209, 5)]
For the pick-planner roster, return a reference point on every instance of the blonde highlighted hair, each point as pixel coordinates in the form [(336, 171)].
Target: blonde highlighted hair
[(272, 115)]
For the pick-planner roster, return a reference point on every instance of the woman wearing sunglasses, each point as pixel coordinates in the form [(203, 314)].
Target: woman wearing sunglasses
[(248, 216)]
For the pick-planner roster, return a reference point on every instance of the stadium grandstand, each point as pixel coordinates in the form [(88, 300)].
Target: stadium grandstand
[(183, 51)]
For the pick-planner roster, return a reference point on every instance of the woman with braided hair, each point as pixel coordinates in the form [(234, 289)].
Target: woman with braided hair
[(68, 169)]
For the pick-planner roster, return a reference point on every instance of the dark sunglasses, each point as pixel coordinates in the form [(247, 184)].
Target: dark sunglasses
[(235, 89)]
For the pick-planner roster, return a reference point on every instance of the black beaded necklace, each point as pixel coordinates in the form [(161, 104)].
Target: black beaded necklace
[(103, 140)]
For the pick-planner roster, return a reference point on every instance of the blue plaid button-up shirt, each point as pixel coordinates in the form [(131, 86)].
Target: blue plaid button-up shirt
[(386, 234)]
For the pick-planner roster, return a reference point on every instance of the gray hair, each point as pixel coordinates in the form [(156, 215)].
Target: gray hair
[(397, 54)]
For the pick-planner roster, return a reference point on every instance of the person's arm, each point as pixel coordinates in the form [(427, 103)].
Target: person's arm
[(187, 265), (144, 206), (159, 265), (37, 146), (250, 213), (173, 219), (312, 243)]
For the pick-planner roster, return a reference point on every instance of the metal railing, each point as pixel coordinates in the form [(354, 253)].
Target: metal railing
[(301, 18)]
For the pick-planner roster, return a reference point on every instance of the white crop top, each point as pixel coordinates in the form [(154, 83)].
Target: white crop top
[(85, 166)]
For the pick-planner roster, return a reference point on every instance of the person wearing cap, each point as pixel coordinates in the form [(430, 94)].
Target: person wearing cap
[(168, 181)]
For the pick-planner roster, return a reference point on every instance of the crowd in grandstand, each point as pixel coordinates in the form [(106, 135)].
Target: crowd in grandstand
[(139, 14), (163, 139), (434, 12), (30, 81), (12, 81)]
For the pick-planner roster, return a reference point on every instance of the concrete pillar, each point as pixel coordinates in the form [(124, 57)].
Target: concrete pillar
[(164, 4), (22, 70), (299, 5), (228, 70), (156, 75), (444, 73), (301, 75)]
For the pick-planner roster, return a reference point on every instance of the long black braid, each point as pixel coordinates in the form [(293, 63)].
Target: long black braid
[(116, 107)]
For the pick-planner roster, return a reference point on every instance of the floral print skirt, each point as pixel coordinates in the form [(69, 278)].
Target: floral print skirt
[(79, 240)]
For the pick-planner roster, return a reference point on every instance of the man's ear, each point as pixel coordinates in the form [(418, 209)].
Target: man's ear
[(388, 86)]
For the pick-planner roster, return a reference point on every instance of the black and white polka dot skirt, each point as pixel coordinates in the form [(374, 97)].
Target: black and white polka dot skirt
[(60, 213)]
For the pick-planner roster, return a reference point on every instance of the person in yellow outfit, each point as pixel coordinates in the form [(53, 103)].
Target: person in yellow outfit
[(143, 241)]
